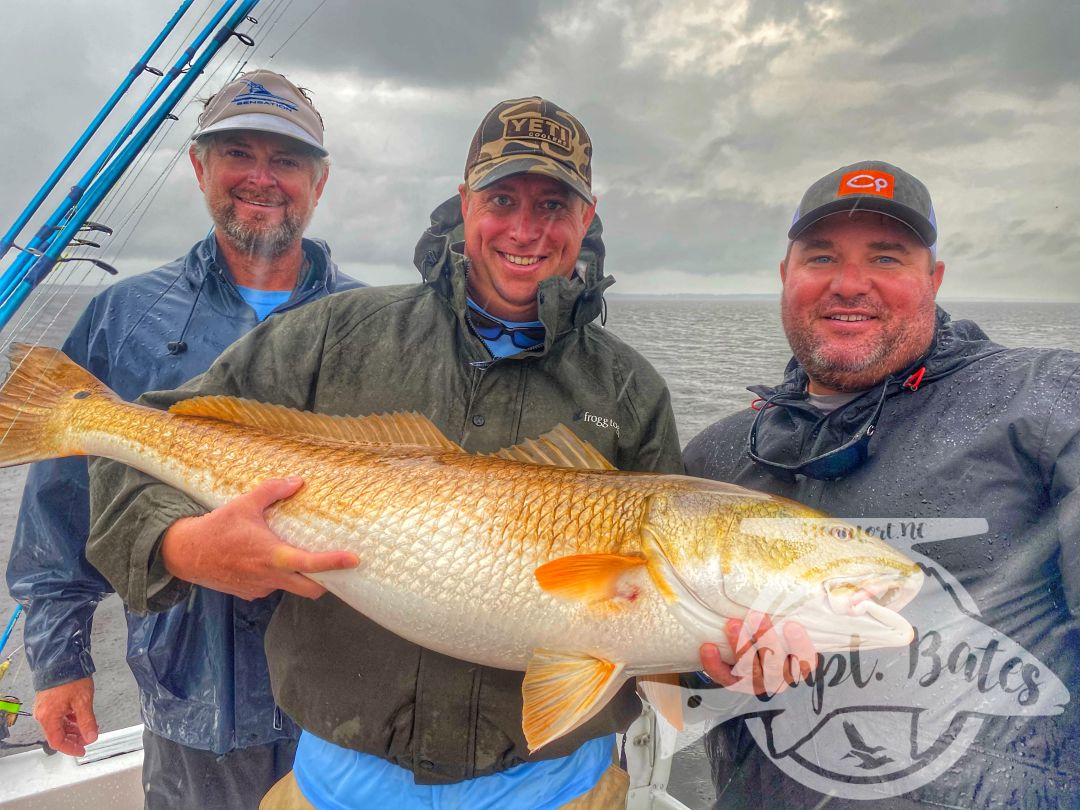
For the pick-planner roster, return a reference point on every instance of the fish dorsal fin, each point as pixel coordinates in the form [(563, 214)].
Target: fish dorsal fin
[(389, 428), (562, 690), (559, 447)]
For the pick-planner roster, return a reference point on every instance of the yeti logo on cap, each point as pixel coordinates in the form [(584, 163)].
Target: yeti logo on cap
[(867, 181), (257, 94), (543, 129)]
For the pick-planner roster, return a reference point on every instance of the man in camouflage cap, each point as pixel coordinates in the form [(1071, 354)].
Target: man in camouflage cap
[(496, 345)]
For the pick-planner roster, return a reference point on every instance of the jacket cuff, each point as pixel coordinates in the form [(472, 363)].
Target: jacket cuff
[(151, 588), (61, 672)]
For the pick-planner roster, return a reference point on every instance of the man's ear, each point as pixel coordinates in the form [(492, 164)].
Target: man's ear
[(200, 170), (321, 185), (937, 274), (463, 190), (587, 216)]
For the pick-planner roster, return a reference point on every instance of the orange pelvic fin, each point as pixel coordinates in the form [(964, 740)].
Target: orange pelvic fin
[(413, 429), (559, 447), (664, 693), (593, 578), (562, 690)]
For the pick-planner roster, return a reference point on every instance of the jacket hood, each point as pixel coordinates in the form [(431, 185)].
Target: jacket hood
[(564, 304), (955, 345)]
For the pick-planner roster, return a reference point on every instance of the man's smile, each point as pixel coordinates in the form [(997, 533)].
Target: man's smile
[(524, 261)]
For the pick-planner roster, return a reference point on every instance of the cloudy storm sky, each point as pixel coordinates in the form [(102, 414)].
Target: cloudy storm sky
[(709, 120)]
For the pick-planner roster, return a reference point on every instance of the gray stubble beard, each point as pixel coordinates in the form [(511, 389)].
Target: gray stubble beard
[(258, 242), (860, 373)]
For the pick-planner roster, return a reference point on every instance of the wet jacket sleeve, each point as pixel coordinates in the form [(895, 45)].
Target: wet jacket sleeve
[(130, 511), (1060, 457), (47, 572)]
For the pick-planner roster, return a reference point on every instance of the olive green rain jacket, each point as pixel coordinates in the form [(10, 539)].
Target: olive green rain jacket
[(407, 348)]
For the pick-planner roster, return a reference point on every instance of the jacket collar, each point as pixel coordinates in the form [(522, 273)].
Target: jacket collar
[(563, 304), (205, 262), (322, 273)]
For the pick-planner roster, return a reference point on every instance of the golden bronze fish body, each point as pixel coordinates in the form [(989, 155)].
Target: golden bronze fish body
[(582, 577)]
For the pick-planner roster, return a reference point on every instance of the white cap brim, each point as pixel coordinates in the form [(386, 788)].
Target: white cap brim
[(261, 122)]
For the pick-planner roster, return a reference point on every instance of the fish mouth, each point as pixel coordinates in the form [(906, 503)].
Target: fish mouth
[(854, 596), (867, 610)]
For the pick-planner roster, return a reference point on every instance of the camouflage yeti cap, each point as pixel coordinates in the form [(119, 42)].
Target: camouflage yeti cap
[(530, 136), (266, 102)]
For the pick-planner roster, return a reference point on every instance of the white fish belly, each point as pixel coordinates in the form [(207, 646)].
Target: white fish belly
[(443, 594)]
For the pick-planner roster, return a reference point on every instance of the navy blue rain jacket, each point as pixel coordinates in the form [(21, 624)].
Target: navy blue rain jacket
[(200, 667)]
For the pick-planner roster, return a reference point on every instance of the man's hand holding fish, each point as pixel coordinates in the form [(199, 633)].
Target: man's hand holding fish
[(232, 549)]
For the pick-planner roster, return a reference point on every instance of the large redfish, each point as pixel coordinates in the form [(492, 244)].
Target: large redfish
[(539, 558)]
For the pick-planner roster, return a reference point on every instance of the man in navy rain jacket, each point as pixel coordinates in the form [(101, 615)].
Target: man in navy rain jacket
[(214, 736), (961, 452)]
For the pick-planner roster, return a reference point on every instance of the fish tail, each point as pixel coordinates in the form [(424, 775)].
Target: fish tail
[(42, 392)]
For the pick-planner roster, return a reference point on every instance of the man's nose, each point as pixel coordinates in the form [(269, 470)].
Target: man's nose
[(262, 174), (525, 225), (850, 279)]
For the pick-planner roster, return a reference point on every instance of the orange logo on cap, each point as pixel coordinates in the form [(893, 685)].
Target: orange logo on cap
[(867, 181)]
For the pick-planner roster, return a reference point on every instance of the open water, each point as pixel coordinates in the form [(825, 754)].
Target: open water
[(708, 349)]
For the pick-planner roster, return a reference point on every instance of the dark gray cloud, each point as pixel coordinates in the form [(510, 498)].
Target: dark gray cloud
[(1028, 47), (709, 120), (412, 41)]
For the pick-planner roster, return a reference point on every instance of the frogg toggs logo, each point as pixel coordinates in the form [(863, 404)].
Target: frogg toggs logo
[(599, 421)]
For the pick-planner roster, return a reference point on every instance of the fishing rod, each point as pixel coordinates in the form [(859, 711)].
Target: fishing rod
[(10, 626), (141, 66), (39, 257)]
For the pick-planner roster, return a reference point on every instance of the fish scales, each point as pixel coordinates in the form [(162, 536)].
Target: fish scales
[(367, 502), (581, 577)]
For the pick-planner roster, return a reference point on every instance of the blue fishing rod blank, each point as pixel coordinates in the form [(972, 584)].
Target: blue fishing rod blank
[(108, 178), (20, 267), (46, 241), (8, 239), (10, 627)]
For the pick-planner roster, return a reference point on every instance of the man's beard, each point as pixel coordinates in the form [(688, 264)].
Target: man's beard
[(897, 346), (257, 238)]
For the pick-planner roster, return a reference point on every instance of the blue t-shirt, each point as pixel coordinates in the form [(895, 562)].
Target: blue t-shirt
[(263, 301), (336, 778)]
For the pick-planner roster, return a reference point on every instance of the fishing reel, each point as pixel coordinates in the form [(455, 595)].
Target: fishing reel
[(10, 709)]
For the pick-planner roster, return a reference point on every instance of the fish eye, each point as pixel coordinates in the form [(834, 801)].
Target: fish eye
[(80, 395)]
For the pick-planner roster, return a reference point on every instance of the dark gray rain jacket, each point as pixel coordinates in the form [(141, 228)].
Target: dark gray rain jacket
[(409, 348), (200, 667), (989, 433)]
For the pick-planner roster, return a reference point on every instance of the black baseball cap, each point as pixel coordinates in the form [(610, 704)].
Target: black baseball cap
[(871, 185)]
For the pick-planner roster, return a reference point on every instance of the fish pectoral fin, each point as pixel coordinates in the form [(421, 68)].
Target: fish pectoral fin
[(411, 429), (693, 614), (664, 692), (594, 578), (562, 690), (559, 447)]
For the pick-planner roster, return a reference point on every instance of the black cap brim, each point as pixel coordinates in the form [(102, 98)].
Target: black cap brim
[(922, 227)]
